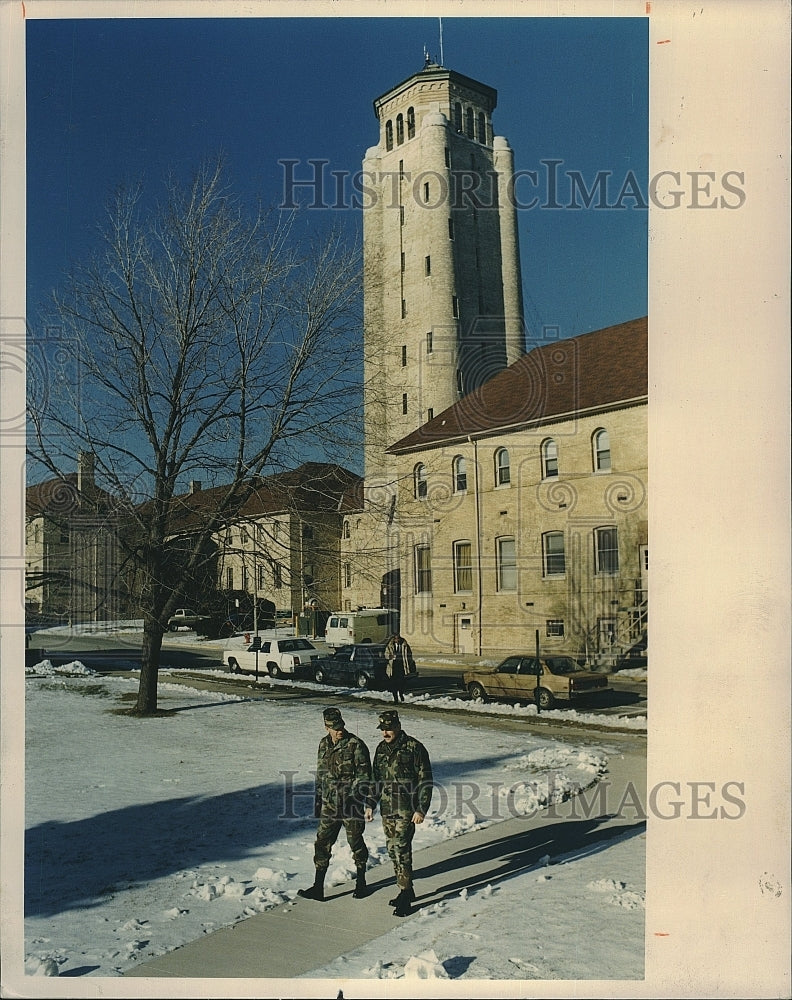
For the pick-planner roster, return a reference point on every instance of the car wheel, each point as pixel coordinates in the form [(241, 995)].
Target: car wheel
[(477, 692), (362, 680), (319, 675), (274, 670), (233, 666), (545, 698)]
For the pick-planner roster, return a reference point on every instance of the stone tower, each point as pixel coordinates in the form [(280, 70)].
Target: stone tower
[(442, 287)]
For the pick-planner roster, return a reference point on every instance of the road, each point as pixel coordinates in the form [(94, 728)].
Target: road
[(121, 653)]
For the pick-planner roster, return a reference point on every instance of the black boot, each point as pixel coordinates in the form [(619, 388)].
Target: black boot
[(402, 902), (316, 891), (406, 895), (360, 890)]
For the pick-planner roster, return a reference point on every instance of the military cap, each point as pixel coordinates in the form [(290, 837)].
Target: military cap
[(333, 718), (389, 719)]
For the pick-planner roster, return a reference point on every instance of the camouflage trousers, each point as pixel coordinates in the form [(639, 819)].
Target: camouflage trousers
[(327, 834), (399, 833)]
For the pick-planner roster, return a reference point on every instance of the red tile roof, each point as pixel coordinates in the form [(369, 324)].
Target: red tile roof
[(593, 371)]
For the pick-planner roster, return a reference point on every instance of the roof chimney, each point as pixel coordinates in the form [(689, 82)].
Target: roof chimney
[(195, 486), (86, 465)]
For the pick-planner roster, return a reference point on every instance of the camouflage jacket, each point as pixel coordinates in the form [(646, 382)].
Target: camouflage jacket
[(402, 777), (343, 777)]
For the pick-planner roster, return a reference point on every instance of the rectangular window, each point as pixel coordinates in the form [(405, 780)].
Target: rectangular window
[(427, 265), (455, 306), (555, 628), (423, 569), (347, 575), (430, 413), (404, 308), (463, 567), (404, 355), (404, 402), (261, 578), (606, 543), (429, 342), (553, 555), (244, 578), (229, 578), (507, 564), (277, 576)]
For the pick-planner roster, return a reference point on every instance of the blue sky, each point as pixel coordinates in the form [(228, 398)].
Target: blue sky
[(115, 100)]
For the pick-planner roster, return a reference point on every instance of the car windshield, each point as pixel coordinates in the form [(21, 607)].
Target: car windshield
[(561, 665)]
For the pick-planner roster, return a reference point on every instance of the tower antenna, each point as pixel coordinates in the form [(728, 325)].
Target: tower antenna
[(441, 41)]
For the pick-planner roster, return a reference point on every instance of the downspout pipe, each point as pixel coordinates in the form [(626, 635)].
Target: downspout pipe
[(473, 442)]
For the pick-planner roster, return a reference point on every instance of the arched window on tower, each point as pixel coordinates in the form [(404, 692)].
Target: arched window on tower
[(420, 483), (399, 129), (410, 123), (469, 123), (388, 135), (460, 474), (482, 128), (602, 455), (502, 467)]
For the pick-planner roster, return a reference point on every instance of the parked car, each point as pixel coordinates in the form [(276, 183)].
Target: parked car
[(184, 618), (277, 657), (362, 666), (518, 677)]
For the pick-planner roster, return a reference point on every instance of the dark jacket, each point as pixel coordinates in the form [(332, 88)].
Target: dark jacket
[(343, 777), (402, 777)]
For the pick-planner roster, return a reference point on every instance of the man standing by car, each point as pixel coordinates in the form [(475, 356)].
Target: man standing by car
[(343, 779), (399, 657), (403, 790)]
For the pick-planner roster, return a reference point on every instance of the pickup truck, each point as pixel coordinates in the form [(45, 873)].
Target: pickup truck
[(277, 657), (184, 618)]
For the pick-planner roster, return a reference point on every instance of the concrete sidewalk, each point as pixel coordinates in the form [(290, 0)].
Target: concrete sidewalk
[(296, 937)]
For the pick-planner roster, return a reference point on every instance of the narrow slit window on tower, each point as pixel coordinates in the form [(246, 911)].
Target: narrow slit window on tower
[(450, 229), (455, 306), (403, 261), (482, 128), (469, 123), (404, 402), (427, 265), (389, 135), (429, 346), (447, 157), (426, 191), (410, 123), (399, 129), (401, 215), (404, 355), (404, 308), (458, 116)]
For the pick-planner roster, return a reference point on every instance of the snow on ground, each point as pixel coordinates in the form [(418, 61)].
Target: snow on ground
[(145, 834)]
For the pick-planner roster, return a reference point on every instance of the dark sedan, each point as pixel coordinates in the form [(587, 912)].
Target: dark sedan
[(362, 666)]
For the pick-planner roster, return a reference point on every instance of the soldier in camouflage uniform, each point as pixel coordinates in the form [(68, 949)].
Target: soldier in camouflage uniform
[(403, 790), (343, 779)]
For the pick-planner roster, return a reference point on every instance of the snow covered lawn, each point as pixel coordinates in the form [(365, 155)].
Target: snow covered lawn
[(144, 834)]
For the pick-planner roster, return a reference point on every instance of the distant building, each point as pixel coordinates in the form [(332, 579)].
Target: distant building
[(72, 550)]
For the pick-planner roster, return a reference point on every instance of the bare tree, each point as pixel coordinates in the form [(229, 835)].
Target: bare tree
[(207, 343)]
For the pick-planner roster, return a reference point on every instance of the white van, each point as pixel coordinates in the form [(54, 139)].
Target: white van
[(345, 628)]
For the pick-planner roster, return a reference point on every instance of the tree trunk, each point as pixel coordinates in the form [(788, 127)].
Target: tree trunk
[(149, 668)]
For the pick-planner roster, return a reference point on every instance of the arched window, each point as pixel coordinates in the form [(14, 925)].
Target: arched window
[(469, 123), (388, 135), (482, 128), (410, 123), (502, 468), (420, 484), (602, 455), (458, 116), (460, 474), (346, 529), (549, 459), (399, 129)]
